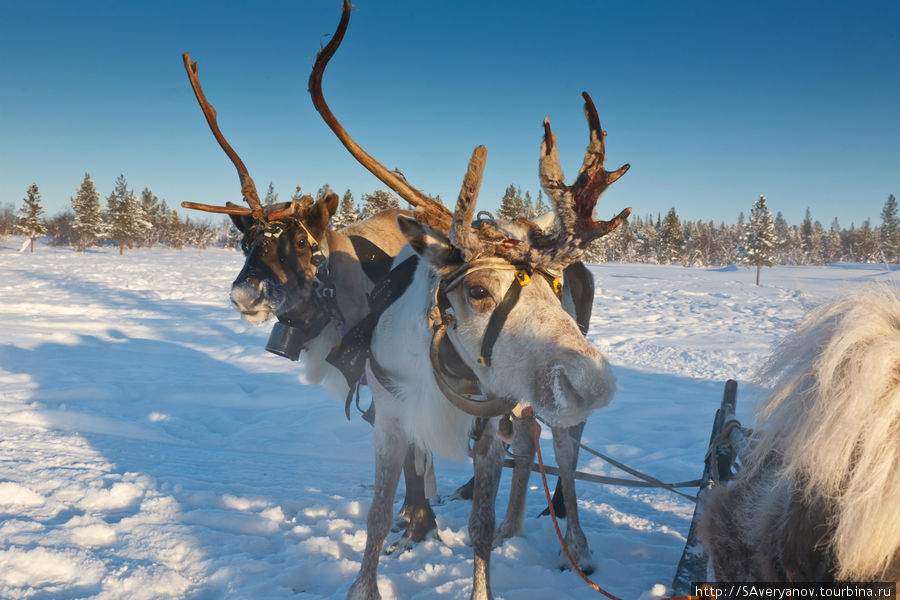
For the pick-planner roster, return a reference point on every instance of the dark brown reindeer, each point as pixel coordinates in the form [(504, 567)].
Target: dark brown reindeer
[(313, 280), (478, 313)]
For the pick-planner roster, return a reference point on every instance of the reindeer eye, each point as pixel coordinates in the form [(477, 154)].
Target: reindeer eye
[(477, 292), (301, 243)]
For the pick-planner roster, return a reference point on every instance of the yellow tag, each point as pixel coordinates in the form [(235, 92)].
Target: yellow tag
[(557, 286), (523, 278), (481, 361)]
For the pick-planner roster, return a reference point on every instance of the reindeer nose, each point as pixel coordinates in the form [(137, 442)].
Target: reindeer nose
[(246, 293), (582, 380)]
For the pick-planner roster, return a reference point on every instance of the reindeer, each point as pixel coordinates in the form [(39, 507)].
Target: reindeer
[(314, 280), (817, 498), (482, 312)]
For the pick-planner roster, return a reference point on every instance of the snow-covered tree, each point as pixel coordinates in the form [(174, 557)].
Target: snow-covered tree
[(88, 213), (671, 238), (512, 204), (31, 225), (126, 215), (7, 220), (154, 213), (868, 249), (890, 230), (528, 206), (347, 213), (378, 201), (540, 207), (760, 240)]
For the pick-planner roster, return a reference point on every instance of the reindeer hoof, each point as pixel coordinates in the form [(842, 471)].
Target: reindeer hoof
[(583, 559), (406, 542)]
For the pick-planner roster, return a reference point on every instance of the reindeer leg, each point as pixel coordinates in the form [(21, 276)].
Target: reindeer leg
[(513, 524), (390, 448), (567, 458), (488, 459), (416, 514), (559, 504)]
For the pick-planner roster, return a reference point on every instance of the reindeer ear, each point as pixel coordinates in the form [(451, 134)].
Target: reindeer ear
[(331, 203), (242, 222), (430, 244), (321, 212)]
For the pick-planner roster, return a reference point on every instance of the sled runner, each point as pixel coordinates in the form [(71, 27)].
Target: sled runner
[(727, 442)]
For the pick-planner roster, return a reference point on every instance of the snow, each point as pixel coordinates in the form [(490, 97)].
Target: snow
[(151, 448)]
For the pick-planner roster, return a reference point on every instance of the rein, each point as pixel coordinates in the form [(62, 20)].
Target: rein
[(537, 444)]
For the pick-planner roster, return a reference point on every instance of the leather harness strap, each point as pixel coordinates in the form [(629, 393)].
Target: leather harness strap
[(352, 352)]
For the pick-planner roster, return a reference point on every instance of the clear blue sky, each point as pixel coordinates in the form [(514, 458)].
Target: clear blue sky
[(712, 103)]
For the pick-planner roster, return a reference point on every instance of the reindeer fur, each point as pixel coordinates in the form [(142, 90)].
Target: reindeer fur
[(540, 357), (818, 497)]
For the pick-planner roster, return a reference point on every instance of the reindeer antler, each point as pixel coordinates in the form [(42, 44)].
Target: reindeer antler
[(248, 188), (575, 203), (461, 234), (426, 208)]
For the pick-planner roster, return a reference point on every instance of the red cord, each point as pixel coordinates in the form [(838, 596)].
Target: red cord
[(528, 412)]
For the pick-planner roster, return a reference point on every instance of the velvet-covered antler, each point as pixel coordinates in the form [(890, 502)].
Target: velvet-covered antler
[(574, 204)]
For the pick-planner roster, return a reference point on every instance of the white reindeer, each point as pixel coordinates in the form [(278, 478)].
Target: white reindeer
[(483, 305), (818, 497)]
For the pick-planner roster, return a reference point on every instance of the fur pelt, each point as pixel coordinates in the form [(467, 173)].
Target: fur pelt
[(818, 497)]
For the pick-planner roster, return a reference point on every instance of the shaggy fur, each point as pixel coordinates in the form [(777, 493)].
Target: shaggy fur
[(819, 495)]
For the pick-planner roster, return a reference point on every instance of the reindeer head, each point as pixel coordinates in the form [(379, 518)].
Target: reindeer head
[(497, 294), (283, 243), (283, 256), (499, 306)]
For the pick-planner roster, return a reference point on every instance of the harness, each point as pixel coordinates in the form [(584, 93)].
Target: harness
[(291, 334), (353, 350), (454, 378)]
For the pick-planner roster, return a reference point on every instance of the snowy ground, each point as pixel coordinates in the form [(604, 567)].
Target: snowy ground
[(150, 447)]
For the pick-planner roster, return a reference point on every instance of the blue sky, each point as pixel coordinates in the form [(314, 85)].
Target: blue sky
[(712, 103)]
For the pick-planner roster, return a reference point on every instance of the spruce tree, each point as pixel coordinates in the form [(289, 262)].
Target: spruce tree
[(271, 197), (88, 213), (760, 240), (126, 215), (671, 237), (154, 212), (806, 232), (511, 204), (378, 201), (890, 230), (347, 213), (527, 206), (31, 225), (540, 207)]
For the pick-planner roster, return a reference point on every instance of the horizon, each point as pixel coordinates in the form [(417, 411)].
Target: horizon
[(712, 105)]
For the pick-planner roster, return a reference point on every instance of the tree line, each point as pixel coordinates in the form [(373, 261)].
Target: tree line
[(763, 240), (128, 220)]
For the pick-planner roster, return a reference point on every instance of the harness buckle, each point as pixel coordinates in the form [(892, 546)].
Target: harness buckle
[(523, 277)]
